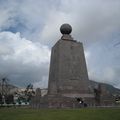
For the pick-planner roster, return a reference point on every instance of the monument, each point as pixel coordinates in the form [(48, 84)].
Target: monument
[(68, 72), (69, 85)]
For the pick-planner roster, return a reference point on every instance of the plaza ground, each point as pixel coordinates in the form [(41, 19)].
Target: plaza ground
[(60, 114)]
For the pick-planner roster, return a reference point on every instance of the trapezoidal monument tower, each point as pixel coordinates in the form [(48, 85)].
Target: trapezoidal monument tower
[(68, 74)]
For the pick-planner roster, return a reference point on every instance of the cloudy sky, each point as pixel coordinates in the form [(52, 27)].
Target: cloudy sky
[(29, 28)]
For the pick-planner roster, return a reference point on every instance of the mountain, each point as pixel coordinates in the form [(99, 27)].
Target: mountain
[(109, 87)]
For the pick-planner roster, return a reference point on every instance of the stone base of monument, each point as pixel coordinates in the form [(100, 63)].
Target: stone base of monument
[(60, 101)]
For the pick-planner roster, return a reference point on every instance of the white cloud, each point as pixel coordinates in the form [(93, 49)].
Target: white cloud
[(103, 63), (109, 74), (41, 84), (25, 56), (91, 19), (95, 23)]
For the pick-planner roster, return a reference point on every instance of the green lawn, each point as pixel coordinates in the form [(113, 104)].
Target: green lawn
[(60, 114)]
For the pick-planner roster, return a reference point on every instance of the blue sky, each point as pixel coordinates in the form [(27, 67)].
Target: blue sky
[(29, 28)]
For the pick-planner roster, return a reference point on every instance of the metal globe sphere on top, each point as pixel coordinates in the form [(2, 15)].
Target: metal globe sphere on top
[(65, 29)]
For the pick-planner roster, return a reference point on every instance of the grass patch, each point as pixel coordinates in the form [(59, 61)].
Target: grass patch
[(59, 114)]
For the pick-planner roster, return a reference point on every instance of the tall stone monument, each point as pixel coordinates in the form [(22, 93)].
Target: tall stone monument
[(69, 85), (68, 72)]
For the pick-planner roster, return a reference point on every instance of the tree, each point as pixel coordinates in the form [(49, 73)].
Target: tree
[(4, 89), (29, 92), (9, 99)]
